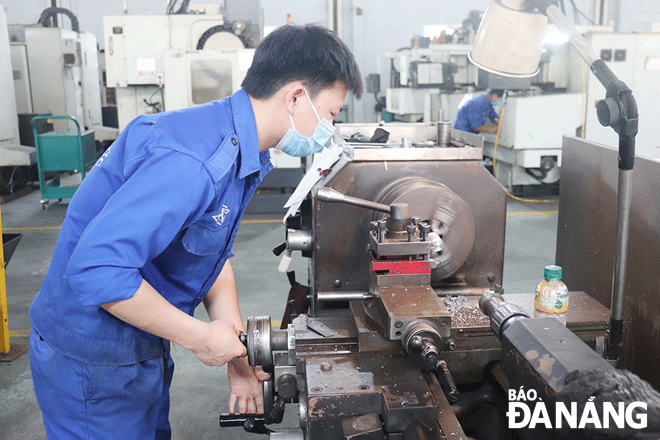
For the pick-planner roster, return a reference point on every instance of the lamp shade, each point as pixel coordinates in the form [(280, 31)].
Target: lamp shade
[(509, 40)]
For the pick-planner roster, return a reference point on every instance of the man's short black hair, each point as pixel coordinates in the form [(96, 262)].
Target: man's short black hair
[(498, 92), (311, 54)]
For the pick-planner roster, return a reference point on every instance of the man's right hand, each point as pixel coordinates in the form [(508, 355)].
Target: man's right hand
[(219, 344)]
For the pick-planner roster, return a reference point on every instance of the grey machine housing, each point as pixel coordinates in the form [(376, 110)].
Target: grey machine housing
[(448, 183)]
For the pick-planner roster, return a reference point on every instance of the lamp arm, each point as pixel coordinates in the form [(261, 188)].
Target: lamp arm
[(619, 111)]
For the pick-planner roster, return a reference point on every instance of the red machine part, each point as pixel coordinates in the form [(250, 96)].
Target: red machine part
[(400, 267)]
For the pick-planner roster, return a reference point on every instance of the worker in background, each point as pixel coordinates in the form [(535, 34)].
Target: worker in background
[(474, 115), (148, 236)]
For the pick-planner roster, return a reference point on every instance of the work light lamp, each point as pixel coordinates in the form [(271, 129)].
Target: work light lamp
[(509, 43)]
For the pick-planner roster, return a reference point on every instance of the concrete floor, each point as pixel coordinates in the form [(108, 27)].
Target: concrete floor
[(200, 393)]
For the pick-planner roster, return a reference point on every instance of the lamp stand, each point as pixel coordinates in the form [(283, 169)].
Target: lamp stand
[(619, 111)]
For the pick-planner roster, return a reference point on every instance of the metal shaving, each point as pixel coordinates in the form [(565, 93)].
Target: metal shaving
[(464, 314)]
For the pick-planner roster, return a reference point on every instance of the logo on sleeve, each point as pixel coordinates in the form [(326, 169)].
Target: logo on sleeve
[(220, 218)]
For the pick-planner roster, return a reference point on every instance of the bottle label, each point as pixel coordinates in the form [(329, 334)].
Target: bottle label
[(551, 298)]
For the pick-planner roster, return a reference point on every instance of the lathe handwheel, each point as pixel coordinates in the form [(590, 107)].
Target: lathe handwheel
[(259, 341)]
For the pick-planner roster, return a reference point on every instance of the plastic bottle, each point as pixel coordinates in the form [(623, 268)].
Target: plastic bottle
[(551, 297)]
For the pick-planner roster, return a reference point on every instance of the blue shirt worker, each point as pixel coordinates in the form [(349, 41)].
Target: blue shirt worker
[(474, 114), (148, 236)]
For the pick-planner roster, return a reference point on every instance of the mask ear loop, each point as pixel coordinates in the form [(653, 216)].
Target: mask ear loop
[(292, 125), (312, 104)]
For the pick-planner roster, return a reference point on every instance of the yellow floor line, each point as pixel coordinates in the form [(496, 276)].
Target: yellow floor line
[(39, 228), (248, 222)]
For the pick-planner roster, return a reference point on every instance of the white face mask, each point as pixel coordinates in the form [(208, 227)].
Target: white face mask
[(297, 145)]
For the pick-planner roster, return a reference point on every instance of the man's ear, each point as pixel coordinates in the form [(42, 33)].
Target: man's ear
[(295, 91)]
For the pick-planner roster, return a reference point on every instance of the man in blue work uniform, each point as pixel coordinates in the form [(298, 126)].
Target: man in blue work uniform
[(474, 114), (148, 235)]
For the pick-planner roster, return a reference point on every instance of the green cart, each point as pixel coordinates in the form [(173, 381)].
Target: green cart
[(58, 152)]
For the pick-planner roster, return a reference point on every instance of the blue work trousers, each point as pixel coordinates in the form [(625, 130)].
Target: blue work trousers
[(83, 401)]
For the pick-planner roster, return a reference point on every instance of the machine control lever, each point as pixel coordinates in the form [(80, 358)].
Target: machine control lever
[(399, 213), (277, 250), (446, 381), (254, 423), (277, 413), (330, 195)]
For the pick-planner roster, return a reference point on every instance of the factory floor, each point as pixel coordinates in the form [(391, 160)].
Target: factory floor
[(199, 393)]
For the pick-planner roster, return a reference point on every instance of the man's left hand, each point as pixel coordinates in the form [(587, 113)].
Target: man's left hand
[(246, 390)]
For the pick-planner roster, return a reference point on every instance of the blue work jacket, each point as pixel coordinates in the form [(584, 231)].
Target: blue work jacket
[(474, 114), (162, 204)]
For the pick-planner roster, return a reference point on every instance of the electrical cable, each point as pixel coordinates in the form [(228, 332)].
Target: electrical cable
[(584, 103), (184, 7), (47, 13), (497, 139), (576, 10), (156, 105)]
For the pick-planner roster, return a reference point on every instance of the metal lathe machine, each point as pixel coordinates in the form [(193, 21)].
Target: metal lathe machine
[(404, 332)]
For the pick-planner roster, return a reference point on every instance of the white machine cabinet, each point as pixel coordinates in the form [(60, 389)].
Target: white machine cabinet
[(140, 69), (12, 155), (532, 129), (22, 90), (8, 120)]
